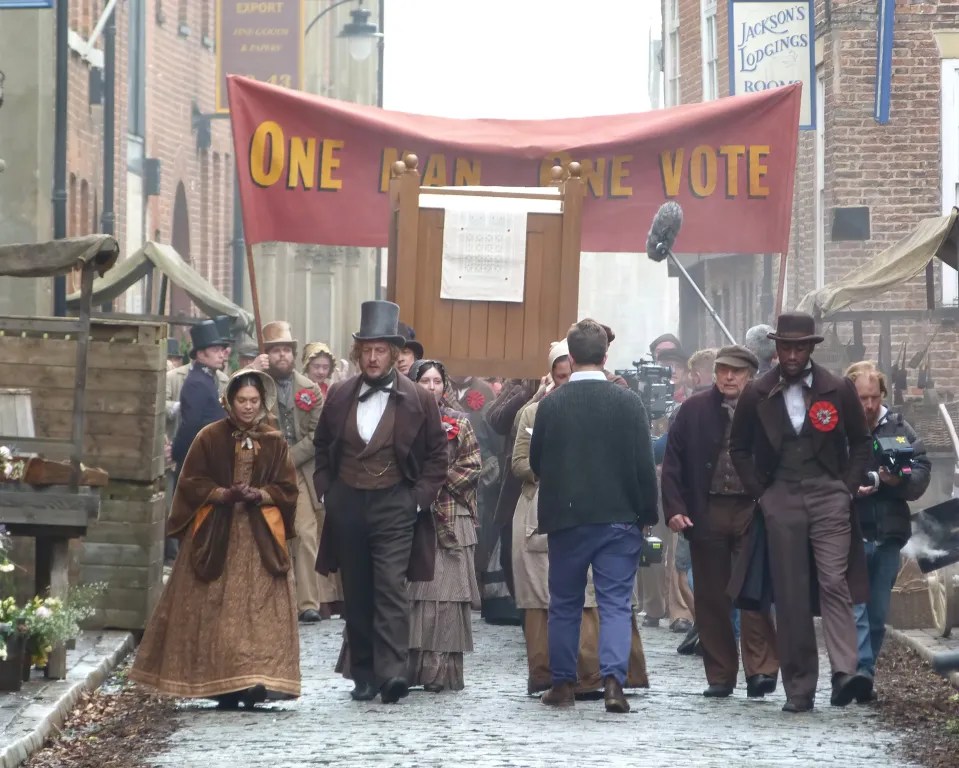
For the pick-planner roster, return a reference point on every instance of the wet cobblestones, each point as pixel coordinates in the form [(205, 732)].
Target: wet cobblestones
[(493, 723)]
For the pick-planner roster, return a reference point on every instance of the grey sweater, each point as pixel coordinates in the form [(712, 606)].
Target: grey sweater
[(592, 452)]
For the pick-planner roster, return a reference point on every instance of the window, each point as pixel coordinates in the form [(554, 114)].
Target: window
[(950, 164), (672, 53), (136, 80), (820, 271), (710, 54)]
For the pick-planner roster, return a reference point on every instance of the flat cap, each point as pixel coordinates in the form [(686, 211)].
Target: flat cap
[(737, 356)]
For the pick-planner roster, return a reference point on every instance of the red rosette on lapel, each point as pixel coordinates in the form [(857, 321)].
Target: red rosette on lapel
[(823, 416), (475, 400), (305, 399), (451, 427)]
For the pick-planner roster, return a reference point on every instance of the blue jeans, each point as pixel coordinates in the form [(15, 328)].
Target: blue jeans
[(613, 551), (882, 560)]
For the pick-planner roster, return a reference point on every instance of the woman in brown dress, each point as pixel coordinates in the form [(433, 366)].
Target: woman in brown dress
[(225, 626), (441, 629)]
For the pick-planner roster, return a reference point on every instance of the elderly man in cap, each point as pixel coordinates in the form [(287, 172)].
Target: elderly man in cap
[(381, 459), (297, 412), (800, 445), (704, 499)]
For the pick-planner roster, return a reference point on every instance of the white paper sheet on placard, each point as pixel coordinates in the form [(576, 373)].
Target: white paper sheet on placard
[(484, 255)]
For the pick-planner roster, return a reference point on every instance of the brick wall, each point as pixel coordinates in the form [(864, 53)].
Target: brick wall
[(894, 169), (180, 71)]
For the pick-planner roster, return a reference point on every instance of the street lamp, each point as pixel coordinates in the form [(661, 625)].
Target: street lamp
[(361, 33)]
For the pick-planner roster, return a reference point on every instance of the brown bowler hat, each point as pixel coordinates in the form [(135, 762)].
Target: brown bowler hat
[(278, 332), (737, 356), (795, 326)]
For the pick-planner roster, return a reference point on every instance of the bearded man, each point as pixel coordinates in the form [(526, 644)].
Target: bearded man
[(380, 463), (297, 412)]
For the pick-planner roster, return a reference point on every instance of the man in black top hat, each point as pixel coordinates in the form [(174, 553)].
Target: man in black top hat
[(199, 397), (412, 349), (800, 444), (380, 463)]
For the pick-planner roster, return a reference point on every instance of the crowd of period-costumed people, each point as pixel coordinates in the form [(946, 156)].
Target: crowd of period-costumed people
[(384, 489)]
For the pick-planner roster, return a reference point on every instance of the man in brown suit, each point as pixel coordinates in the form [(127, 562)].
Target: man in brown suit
[(297, 412), (380, 463), (800, 444), (704, 499)]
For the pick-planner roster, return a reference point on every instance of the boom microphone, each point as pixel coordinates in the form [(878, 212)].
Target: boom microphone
[(663, 232)]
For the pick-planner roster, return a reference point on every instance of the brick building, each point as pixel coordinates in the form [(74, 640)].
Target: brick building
[(901, 172), (696, 68), (173, 181)]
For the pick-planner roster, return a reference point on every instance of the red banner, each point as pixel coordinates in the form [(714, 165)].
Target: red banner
[(316, 170)]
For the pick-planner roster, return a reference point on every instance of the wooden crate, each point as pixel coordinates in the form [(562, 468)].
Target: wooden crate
[(124, 549), (125, 394), (909, 605)]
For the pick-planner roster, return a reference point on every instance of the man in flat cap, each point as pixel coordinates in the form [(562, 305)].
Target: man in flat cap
[(704, 499), (800, 445)]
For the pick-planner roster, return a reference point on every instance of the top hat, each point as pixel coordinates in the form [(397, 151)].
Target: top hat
[(173, 348), (206, 334), (278, 332), (737, 356), (225, 324), (379, 321), (410, 342), (795, 326)]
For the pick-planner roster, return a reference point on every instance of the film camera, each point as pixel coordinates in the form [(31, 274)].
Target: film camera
[(652, 552), (895, 454), (653, 383)]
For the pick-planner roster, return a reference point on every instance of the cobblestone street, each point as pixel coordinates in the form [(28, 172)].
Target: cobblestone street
[(493, 723)]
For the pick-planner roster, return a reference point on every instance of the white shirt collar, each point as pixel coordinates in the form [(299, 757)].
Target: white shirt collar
[(588, 376)]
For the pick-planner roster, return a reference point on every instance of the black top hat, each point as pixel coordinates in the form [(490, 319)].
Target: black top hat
[(379, 321), (411, 343), (795, 326), (173, 348), (206, 334), (224, 324)]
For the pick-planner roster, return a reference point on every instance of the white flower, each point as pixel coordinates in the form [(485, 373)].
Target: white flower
[(5, 453), (3, 652), (43, 612), (6, 567)]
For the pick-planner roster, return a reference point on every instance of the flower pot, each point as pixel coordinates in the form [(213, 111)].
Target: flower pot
[(11, 669)]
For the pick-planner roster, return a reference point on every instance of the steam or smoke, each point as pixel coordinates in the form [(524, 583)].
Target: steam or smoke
[(923, 546)]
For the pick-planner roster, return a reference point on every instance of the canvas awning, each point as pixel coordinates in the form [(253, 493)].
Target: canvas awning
[(933, 238), (58, 257), (164, 257)]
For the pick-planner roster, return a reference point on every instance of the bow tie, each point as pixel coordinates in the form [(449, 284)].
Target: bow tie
[(383, 384)]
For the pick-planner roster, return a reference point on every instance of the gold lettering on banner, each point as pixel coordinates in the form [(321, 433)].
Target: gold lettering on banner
[(306, 161), (700, 172), (267, 169)]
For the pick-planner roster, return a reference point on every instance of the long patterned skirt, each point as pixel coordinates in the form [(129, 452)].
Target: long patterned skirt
[(441, 628)]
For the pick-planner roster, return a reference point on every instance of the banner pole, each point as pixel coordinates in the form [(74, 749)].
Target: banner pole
[(702, 297), (782, 285), (254, 295)]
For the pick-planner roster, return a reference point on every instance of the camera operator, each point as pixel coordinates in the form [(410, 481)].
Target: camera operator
[(881, 504)]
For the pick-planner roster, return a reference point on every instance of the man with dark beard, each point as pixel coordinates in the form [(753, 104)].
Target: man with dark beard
[(380, 463), (297, 412)]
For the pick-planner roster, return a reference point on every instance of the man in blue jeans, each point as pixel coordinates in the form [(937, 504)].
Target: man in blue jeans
[(592, 452), (881, 503)]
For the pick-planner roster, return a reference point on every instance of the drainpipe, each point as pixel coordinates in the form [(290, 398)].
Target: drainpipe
[(107, 218), (59, 197)]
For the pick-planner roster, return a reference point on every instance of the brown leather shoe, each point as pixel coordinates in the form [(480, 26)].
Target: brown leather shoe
[(614, 696), (561, 695)]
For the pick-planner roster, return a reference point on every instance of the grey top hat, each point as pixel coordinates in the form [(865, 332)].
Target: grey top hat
[(206, 334), (173, 348), (379, 321)]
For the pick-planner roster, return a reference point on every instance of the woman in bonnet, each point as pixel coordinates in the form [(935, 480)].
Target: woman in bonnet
[(225, 626)]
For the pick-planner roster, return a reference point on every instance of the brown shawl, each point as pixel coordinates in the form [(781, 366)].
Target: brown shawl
[(462, 478), (207, 468)]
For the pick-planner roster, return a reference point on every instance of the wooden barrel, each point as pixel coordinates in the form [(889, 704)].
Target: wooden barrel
[(16, 413)]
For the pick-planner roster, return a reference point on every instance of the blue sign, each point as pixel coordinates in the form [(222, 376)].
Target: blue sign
[(887, 19), (25, 4)]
